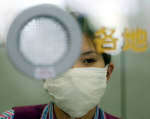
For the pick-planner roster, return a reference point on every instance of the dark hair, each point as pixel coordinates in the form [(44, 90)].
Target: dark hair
[(85, 27)]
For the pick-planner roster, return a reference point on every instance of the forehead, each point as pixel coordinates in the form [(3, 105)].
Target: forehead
[(87, 44)]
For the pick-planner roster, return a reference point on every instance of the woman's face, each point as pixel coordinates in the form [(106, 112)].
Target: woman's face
[(89, 57)]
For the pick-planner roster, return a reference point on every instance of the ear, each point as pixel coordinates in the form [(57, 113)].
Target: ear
[(109, 71)]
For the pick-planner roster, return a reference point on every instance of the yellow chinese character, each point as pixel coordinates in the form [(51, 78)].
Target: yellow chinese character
[(103, 38), (136, 40)]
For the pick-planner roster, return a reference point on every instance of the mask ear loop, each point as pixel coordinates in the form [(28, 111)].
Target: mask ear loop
[(106, 68)]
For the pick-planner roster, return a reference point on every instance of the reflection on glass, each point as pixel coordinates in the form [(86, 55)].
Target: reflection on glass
[(43, 41)]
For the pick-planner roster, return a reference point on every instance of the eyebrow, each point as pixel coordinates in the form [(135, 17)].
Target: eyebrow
[(88, 53)]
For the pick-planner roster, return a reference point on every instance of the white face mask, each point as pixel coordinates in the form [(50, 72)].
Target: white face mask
[(78, 90)]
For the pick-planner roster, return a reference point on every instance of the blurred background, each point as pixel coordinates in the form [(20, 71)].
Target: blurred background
[(18, 90)]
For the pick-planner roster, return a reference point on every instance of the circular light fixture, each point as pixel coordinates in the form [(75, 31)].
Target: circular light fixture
[(44, 41)]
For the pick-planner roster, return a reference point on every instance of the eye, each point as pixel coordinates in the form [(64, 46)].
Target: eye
[(89, 60)]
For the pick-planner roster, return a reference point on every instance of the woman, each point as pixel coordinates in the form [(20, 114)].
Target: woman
[(77, 93)]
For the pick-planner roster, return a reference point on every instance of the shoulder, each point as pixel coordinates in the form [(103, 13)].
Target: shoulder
[(24, 112), (7, 115), (109, 116), (28, 112), (29, 108)]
